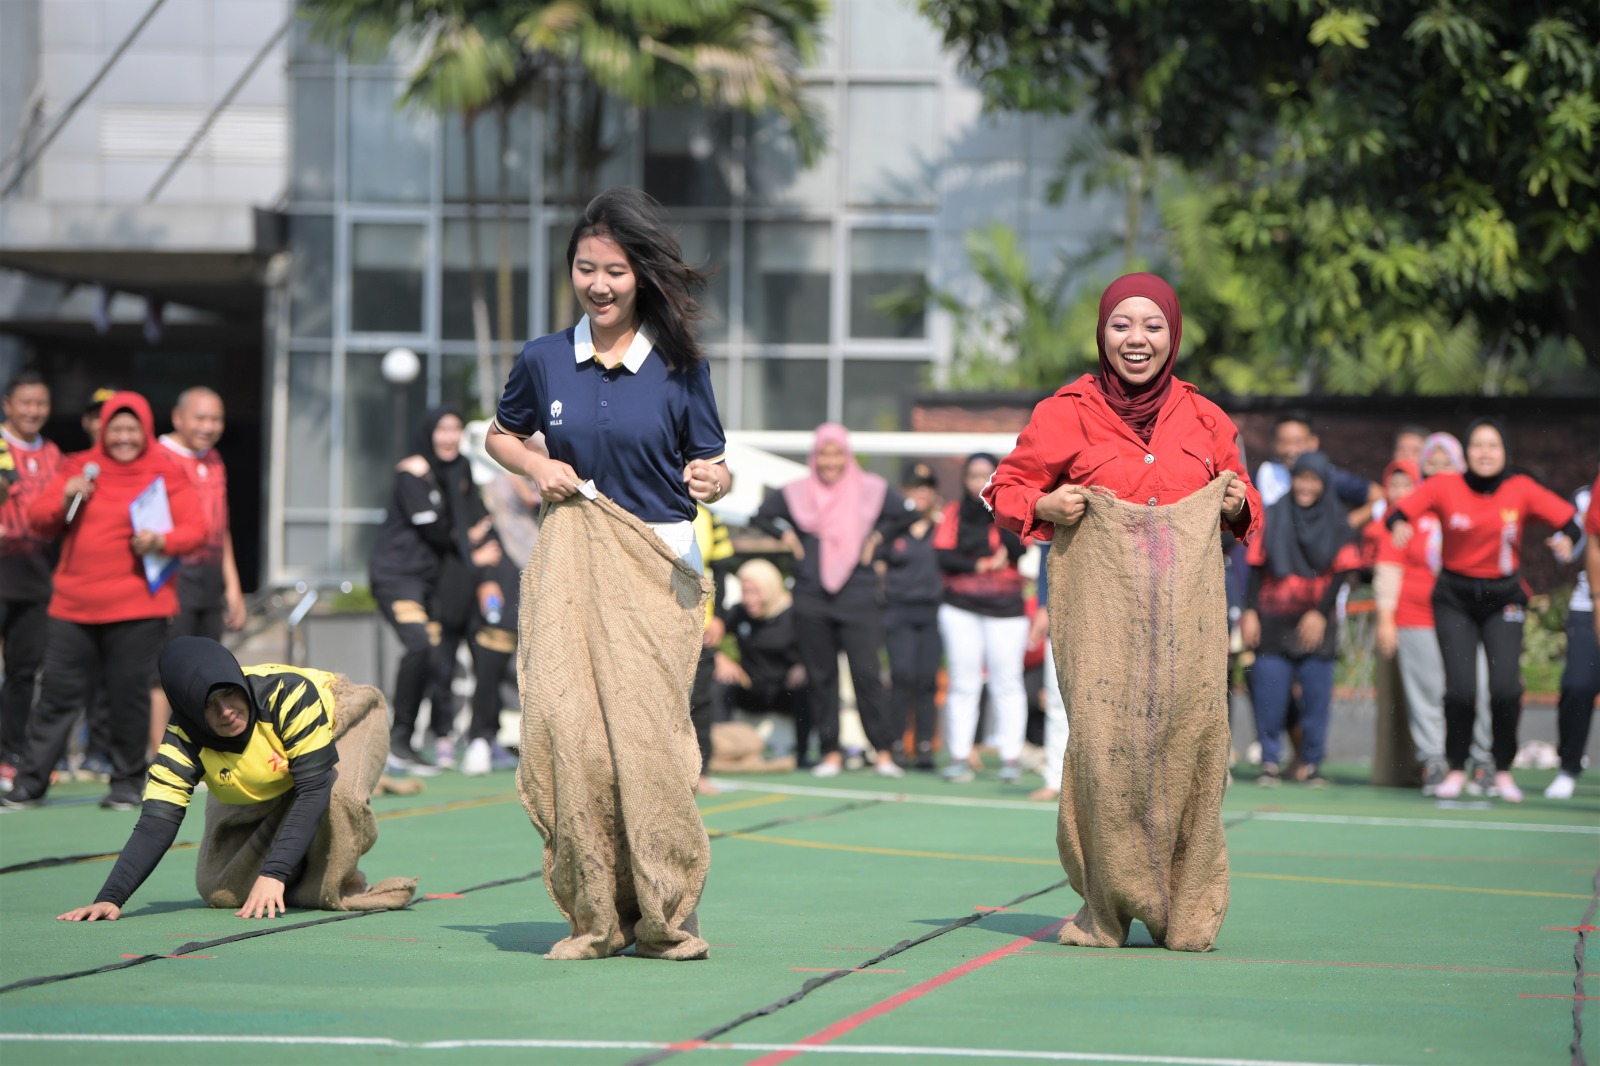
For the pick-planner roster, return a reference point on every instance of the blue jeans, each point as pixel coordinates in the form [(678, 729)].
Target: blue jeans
[(1274, 676)]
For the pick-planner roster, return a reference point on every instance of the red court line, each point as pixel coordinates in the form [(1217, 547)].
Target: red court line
[(839, 969), (1127, 956), (1532, 995), (442, 895), (878, 1010), (1570, 928)]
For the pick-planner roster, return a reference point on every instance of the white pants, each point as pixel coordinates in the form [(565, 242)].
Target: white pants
[(971, 643), (1055, 725)]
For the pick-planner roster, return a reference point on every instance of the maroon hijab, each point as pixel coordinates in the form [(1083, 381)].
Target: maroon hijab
[(1138, 405)]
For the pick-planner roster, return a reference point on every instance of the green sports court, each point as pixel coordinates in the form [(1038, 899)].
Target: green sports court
[(855, 920)]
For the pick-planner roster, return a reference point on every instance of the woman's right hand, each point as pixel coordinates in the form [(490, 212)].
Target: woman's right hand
[(730, 673), (1063, 507), (555, 480), (1386, 638), (75, 485), (487, 554), (791, 540), (1250, 629), (1401, 533), (92, 913)]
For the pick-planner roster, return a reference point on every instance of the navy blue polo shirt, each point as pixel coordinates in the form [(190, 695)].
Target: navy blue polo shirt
[(630, 429)]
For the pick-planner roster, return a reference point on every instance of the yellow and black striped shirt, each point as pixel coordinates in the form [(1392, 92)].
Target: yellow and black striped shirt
[(293, 737)]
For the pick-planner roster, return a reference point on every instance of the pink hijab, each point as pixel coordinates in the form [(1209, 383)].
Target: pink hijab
[(1138, 405), (841, 515)]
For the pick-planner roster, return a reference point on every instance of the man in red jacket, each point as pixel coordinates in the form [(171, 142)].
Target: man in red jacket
[(110, 609)]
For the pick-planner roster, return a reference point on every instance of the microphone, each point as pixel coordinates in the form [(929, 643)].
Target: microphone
[(90, 472)]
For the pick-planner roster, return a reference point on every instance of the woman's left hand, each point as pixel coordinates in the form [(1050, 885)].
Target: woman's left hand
[(1561, 547), (704, 481), (1312, 628), (266, 900), (1234, 500), (146, 543)]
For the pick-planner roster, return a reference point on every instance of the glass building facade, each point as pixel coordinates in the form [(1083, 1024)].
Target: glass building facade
[(379, 231)]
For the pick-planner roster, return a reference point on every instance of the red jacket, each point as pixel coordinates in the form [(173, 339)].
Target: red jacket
[(1483, 534), (99, 578), (1075, 438)]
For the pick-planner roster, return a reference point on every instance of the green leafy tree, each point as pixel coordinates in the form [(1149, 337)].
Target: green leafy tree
[(582, 60), (1373, 195)]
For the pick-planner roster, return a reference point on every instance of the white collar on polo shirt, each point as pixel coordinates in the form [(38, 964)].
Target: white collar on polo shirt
[(638, 351)]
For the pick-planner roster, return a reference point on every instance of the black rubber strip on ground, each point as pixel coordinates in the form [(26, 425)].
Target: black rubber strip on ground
[(202, 945), (1579, 962), (828, 978)]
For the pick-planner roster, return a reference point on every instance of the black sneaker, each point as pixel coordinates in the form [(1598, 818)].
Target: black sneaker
[(118, 802), (19, 801), (1480, 780), (1433, 776)]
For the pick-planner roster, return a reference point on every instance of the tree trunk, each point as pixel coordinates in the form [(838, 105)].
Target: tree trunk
[(481, 336)]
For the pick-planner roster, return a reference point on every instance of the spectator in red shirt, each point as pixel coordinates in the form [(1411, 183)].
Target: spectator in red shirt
[(27, 463), (1296, 572), (104, 616), (1479, 597)]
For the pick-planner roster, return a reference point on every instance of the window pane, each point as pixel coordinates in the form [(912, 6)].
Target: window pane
[(386, 261), (380, 420), (786, 285), (389, 148), (561, 177), (773, 172), (305, 48), (486, 142), (305, 546), (719, 385), (310, 418), (785, 393), (706, 248), (892, 146), (311, 172), (887, 263), (563, 305), (456, 290), (311, 280), (686, 162), (876, 392), (891, 35), (356, 539)]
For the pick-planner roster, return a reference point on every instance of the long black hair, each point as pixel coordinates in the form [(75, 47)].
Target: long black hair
[(667, 307)]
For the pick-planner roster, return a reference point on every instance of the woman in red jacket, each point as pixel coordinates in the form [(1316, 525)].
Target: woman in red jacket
[(104, 616), (1136, 429), (1479, 597)]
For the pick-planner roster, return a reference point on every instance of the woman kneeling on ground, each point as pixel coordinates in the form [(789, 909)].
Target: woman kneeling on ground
[(284, 752)]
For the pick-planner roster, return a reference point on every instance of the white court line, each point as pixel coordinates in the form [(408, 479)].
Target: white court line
[(645, 1045), (728, 785)]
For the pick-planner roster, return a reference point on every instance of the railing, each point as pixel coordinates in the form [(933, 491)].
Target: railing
[(291, 606)]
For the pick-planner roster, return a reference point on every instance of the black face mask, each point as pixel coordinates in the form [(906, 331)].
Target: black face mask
[(192, 668)]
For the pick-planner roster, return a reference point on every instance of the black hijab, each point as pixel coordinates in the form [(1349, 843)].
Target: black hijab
[(1304, 540), (192, 668), (1486, 486), (454, 477), (973, 521)]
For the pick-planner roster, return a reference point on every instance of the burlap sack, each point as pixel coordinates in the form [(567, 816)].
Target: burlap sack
[(609, 638), (238, 837), (736, 748), (1139, 628)]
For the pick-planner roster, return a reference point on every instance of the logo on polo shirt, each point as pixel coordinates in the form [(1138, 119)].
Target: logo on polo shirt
[(555, 412)]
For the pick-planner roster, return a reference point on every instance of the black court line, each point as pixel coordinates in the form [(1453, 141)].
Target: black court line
[(1580, 962), (905, 945), (202, 945)]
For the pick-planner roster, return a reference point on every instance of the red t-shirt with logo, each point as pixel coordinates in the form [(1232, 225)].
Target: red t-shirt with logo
[(1419, 561), (1482, 534), (200, 576)]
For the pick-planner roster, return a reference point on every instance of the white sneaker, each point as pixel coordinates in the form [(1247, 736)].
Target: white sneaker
[(888, 768), (1561, 788), (825, 768), (476, 761), (444, 754)]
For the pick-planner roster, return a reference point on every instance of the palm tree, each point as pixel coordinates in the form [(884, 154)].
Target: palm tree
[(583, 58)]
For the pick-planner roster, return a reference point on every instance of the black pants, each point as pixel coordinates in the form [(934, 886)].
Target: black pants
[(426, 663), (1580, 684), (853, 624), (700, 704), (915, 650), (1468, 612), (125, 654), (493, 643), (198, 622), (23, 628)]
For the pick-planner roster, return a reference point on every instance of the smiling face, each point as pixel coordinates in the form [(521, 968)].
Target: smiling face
[(1137, 340), (197, 420), (227, 712), (753, 596), (1400, 486), (447, 439), (124, 437), (1486, 452), (976, 476), (606, 286), (1437, 461), (1306, 488), (27, 409), (1291, 440), (831, 461)]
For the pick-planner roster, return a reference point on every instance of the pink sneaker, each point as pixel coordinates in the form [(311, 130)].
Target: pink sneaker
[(1508, 788), (1451, 786)]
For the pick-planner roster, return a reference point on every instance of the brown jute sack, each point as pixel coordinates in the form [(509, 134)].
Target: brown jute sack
[(238, 837), (609, 636), (1139, 629)]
